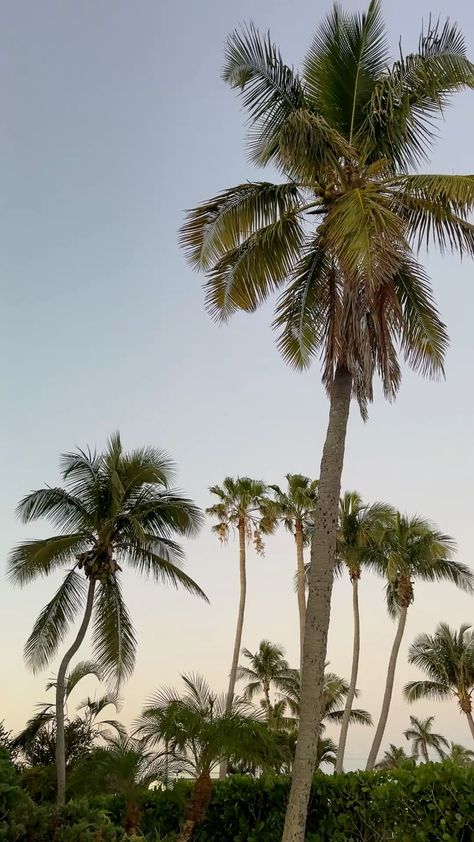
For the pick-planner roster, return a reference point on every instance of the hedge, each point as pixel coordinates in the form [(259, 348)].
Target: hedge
[(431, 803)]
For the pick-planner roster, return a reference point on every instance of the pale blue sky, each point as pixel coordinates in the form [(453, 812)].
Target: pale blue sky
[(114, 119)]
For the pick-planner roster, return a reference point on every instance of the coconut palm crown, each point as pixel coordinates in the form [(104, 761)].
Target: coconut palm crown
[(337, 236)]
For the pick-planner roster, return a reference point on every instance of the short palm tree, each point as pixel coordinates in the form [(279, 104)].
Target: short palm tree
[(267, 668), (93, 727), (423, 738), (199, 732), (358, 527), (124, 767), (294, 507), (239, 507), (337, 238), (460, 755), (447, 658), (115, 507), (395, 758), (411, 549)]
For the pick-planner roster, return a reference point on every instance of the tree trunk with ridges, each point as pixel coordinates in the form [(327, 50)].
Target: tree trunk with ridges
[(60, 690), (200, 798), (323, 551), (353, 681), (392, 664), (300, 584), (238, 631)]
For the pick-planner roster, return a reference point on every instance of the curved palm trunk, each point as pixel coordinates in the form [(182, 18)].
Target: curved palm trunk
[(238, 631), (300, 585), (470, 722), (60, 686), (424, 751), (388, 689), (202, 792), (323, 551), (353, 681)]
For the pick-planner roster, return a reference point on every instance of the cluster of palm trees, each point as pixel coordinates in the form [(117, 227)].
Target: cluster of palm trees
[(337, 238), (118, 508), (402, 549)]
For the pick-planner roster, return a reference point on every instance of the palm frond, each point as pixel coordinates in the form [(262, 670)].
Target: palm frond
[(399, 120), (415, 690), (113, 636), (270, 89), (424, 338), (62, 509), (247, 274), (54, 621), (436, 209), (161, 568), (357, 717), (40, 557), (345, 61), (80, 671), (304, 309), (223, 223)]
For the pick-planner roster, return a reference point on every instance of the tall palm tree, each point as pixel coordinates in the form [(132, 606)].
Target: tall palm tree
[(295, 509), (115, 507), (447, 657), (200, 732), (337, 239), (422, 736), (239, 507), (411, 549), (267, 667), (460, 755), (358, 526), (395, 758)]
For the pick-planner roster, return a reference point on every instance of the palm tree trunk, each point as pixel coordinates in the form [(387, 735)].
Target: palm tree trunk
[(238, 631), (202, 792), (424, 751), (300, 585), (388, 689), (60, 688), (323, 551), (470, 721), (353, 681)]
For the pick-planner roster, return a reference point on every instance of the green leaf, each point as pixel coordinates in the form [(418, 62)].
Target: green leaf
[(54, 621)]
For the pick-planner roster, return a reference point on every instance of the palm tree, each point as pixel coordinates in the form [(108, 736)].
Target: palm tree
[(337, 238), (447, 657), (124, 767), (358, 527), (411, 549), (200, 732), (423, 738), (295, 509), (335, 690), (460, 755), (267, 667), (240, 507), (41, 726), (395, 758), (115, 507)]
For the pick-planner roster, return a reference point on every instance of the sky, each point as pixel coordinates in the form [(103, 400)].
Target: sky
[(114, 120)]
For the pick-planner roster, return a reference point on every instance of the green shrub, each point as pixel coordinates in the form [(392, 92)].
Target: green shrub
[(433, 803)]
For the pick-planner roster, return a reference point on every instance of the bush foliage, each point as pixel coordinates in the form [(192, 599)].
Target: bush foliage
[(431, 803)]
